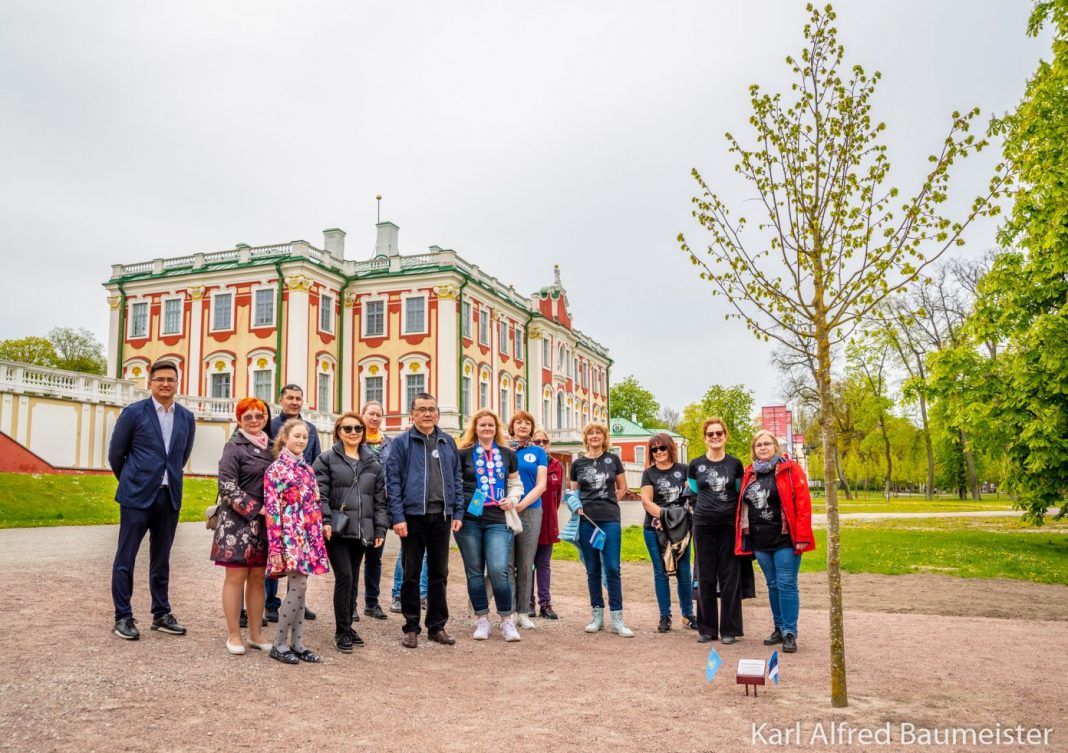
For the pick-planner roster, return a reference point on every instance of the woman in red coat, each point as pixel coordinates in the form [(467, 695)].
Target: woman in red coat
[(550, 529), (774, 522)]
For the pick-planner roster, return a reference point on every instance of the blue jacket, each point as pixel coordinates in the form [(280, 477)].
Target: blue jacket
[(312, 451), (405, 469), (138, 458)]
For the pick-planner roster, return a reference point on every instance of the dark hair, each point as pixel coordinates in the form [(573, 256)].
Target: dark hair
[(667, 441), (161, 365), (289, 387), (422, 396), (342, 417)]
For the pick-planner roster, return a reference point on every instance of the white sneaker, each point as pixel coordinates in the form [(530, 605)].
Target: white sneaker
[(524, 622), (482, 629), (509, 632)]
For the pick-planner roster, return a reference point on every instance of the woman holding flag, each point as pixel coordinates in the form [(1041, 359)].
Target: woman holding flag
[(600, 481), (491, 487)]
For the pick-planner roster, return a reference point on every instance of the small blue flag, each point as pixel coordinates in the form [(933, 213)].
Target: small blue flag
[(478, 501), (597, 539), (712, 666), (773, 667)]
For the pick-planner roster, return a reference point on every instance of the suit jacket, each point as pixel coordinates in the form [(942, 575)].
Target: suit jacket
[(138, 457)]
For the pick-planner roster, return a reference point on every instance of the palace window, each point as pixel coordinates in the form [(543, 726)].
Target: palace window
[(465, 315), (139, 319), (263, 308), (373, 389), (413, 385), (220, 385), (326, 314), (483, 326), (374, 318), (172, 317), (324, 392), (502, 336), (263, 385), (222, 312), (414, 315), (519, 343)]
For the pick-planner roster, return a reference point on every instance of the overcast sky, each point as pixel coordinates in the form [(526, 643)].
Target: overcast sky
[(520, 135)]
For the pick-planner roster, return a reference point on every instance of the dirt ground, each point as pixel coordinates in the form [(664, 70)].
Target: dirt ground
[(926, 650)]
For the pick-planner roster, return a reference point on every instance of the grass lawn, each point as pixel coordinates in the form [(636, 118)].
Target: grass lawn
[(875, 503), (28, 501), (968, 548)]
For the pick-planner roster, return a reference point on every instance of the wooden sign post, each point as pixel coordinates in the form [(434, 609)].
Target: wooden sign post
[(750, 672)]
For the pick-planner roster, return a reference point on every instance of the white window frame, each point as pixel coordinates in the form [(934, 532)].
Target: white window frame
[(326, 313), (268, 394), (639, 454), (484, 396), (546, 353), (163, 315), (502, 336), (405, 324), (465, 319), (483, 326), (519, 345), (212, 376), (409, 391), (214, 324), (270, 294), (328, 378), (132, 330), (365, 318), (365, 366), (505, 401), (380, 380)]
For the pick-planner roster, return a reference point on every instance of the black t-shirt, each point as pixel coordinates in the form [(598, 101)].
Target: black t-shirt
[(718, 483), (596, 479), (668, 486), (435, 484), (765, 513), (510, 463)]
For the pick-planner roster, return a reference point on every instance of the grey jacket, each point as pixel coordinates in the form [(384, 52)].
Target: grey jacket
[(357, 487)]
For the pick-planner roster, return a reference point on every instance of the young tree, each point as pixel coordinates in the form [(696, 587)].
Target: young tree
[(78, 350), (868, 363), (832, 244), (628, 398)]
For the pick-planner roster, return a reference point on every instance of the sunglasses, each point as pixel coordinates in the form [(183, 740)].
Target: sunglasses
[(660, 448), (713, 433), (253, 416), (541, 442), (352, 429)]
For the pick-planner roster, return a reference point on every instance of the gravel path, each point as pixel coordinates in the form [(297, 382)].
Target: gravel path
[(923, 649)]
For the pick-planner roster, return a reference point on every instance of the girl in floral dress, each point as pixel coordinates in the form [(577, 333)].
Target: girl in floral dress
[(295, 545)]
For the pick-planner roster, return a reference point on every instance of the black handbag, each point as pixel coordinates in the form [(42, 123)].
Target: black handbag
[(339, 521)]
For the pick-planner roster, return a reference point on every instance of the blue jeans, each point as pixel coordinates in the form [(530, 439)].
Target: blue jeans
[(486, 546), (684, 582), (398, 578), (609, 557), (780, 571)]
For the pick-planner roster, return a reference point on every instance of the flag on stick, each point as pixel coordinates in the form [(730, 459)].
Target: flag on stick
[(773, 667), (712, 665)]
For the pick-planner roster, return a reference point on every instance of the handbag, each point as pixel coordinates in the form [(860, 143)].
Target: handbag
[(339, 521), (212, 514)]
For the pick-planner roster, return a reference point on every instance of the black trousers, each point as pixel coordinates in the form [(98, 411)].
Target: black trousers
[(159, 521), (345, 555), (717, 571), (372, 576), (427, 534)]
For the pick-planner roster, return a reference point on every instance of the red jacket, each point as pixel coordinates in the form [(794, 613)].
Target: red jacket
[(792, 485), (550, 503)]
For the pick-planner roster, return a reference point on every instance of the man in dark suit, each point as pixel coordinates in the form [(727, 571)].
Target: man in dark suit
[(150, 446)]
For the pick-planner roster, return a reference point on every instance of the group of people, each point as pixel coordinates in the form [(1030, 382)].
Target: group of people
[(289, 509)]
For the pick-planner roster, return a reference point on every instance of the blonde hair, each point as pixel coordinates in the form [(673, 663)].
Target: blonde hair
[(594, 426), (764, 433), (283, 434), (468, 438), (716, 420)]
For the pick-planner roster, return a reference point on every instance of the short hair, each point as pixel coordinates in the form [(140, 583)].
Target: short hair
[(595, 426), (534, 435), (764, 433), (662, 439), (246, 404), (715, 420), (342, 417), (522, 415), (372, 403), (421, 396), (291, 387), (468, 438), (284, 431), (160, 366)]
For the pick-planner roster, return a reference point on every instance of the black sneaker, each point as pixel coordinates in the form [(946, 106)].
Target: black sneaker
[(309, 615), (689, 622), (126, 629), (355, 637), (789, 643), (664, 626), (775, 637), (167, 624), (375, 612), (343, 641), (729, 640), (243, 619), (702, 638)]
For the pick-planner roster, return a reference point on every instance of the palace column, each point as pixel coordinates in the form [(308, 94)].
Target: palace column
[(447, 368)]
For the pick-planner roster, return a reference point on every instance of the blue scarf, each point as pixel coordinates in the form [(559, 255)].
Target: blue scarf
[(766, 466), (489, 470)]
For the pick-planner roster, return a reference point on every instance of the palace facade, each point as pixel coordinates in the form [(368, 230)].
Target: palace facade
[(245, 321)]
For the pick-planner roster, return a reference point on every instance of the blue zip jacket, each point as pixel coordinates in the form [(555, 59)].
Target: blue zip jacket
[(406, 475)]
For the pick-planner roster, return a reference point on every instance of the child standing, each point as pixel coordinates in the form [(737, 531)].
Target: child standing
[(295, 545)]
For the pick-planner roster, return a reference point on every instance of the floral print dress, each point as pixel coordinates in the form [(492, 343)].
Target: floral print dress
[(240, 540), (294, 517)]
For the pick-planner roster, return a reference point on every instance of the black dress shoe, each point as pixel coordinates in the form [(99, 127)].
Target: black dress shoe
[(243, 619), (343, 641), (705, 638), (664, 626), (271, 614), (308, 655), (126, 629), (167, 624), (775, 637), (789, 643), (410, 640), (355, 614), (308, 614), (440, 636), (286, 657), (356, 639), (728, 640), (375, 612), (549, 614)]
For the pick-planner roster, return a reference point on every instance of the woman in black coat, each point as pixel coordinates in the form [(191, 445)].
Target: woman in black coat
[(355, 517)]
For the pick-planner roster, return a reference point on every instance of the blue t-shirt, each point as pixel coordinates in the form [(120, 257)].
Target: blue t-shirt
[(530, 459)]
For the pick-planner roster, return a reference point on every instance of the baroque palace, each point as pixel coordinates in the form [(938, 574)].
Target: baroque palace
[(247, 320)]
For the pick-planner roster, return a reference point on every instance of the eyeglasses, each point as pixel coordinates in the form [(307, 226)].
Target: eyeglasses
[(350, 429), (714, 433), (764, 444), (661, 448), (253, 416), (541, 442), (425, 411), (164, 380)]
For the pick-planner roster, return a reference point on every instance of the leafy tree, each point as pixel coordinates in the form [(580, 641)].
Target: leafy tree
[(1018, 396), (833, 242), (868, 363), (735, 405), (36, 351), (668, 418), (78, 350), (628, 398)]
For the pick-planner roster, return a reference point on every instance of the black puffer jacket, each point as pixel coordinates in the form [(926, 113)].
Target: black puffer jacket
[(359, 486)]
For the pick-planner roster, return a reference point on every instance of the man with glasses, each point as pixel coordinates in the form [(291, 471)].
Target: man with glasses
[(424, 488), (151, 443)]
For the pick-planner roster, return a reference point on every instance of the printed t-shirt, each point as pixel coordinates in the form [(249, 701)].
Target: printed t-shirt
[(596, 479)]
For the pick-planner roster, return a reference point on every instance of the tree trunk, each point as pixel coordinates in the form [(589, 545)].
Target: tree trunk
[(841, 473), (889, 460), (930, 447), (969, 460), (839, 696)]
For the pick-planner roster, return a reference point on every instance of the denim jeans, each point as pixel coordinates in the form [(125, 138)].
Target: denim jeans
[(608, 557), (683, 580), (486, 546), (398, 578), (780, 571)]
